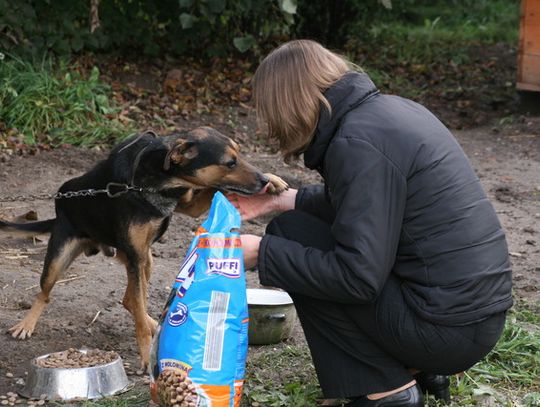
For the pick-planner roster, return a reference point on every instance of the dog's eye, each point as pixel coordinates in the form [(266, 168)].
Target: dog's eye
[(231, 163)]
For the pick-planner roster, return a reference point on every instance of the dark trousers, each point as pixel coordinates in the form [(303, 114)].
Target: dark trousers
[(361, 349)]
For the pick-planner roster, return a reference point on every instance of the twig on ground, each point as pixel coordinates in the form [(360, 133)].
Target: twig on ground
[(66, 280), (96, 317)]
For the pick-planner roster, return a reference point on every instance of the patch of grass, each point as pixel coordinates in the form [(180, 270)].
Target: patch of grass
[(281, 376), (56, 104), (437, 31), (515, 361)]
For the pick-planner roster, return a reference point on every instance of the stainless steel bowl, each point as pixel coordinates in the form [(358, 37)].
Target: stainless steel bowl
[(77, 383)]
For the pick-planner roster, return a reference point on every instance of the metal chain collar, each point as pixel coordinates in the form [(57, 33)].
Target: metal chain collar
[(113, 190)]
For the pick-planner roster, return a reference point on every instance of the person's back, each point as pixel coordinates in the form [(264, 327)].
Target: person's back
[(452, 253)]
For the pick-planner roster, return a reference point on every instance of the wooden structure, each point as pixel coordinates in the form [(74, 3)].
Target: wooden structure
[(528, 69)]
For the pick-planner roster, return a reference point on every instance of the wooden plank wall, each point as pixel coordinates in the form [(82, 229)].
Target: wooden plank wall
[(529, 46)]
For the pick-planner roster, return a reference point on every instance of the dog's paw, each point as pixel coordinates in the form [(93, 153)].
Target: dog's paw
[(22, 330), (276, 185), (145, 364)]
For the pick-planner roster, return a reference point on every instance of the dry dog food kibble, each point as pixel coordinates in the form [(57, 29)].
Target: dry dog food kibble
[(74, 358), (175, 389)]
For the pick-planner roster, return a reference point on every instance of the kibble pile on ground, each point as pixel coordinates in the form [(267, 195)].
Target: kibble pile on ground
[(13, 399), (74, 358), (175, 389)]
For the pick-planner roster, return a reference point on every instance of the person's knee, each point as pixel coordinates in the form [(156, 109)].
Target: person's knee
[(279, 225), (303, 228)]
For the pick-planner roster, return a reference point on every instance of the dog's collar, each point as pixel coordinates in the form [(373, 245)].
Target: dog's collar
[(138, 157), (136, 163)]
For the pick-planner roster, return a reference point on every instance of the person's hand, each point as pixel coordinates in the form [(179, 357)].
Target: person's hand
[(253, 206), (250, 244)]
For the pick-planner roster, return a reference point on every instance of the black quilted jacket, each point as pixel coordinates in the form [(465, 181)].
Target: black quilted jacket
[(401, 198)]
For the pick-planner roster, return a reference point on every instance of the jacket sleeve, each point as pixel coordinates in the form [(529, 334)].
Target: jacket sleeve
[(313, 200), (368, 193)]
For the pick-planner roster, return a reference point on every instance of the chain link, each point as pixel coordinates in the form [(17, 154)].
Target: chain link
[(113, 190), (23, 198)]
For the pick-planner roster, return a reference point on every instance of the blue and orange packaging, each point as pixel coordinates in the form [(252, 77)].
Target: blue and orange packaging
[(203, 329)]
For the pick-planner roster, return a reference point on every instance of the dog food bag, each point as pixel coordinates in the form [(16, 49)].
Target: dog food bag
[(199, 350)]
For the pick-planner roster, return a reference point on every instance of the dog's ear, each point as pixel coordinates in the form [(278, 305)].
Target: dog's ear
[(181, 152)]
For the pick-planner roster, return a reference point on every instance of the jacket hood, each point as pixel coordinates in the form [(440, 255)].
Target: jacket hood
[(348, 92)]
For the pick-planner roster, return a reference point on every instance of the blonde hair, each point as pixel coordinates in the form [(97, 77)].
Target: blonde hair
[(288, 89)]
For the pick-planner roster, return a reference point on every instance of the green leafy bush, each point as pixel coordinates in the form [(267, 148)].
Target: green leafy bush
[(209, 24), (35, 26), (206, 28), (182, 27)]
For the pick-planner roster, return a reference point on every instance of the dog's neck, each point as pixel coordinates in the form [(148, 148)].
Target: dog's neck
[(164, 200)]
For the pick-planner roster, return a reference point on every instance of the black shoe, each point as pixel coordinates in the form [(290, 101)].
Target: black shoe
[(434, 384), (411, 397)]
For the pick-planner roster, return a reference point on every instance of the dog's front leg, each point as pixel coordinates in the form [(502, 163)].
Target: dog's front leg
[(152, 323), (135, 302), (137, 257)]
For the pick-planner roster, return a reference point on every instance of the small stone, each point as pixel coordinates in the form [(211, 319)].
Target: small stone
[(40, 402), (4, 402), (9, 374), (486, 400), (139, 372)]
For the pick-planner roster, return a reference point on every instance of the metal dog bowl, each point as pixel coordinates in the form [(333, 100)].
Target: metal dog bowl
[(271, 316), (75, 383)]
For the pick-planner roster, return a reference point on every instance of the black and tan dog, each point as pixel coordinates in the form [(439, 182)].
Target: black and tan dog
[(179, 172)]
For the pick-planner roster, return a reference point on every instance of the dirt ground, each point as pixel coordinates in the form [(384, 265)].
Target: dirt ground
[(86, 309)]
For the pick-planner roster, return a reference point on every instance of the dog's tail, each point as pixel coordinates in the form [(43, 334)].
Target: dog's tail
[(27, 229)]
